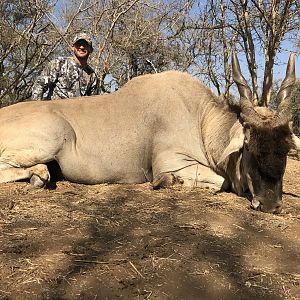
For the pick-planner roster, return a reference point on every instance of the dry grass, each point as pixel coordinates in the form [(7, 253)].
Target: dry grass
[(130, 242)]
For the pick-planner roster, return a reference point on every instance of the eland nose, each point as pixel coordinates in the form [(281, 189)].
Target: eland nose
[(272, 209)]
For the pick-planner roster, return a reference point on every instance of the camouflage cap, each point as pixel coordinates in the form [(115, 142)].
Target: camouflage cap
[(83, 36)]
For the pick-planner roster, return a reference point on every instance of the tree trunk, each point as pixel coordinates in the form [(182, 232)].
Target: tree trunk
[(268, 81)]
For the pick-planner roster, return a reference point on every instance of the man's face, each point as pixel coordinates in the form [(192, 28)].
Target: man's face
[(82, 49)]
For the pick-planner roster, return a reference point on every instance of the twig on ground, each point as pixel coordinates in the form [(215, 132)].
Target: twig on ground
[(116, 261), (135, 269)]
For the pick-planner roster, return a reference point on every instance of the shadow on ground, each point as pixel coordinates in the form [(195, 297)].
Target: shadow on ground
[(130, 242)]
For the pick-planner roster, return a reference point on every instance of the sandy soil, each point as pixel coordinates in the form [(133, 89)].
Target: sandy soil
[(130, 242)]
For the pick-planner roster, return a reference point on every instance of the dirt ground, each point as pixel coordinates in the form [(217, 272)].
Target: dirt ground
[(130, 242)]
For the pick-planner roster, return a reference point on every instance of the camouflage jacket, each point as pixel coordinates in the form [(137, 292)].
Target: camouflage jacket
[(63, 78)]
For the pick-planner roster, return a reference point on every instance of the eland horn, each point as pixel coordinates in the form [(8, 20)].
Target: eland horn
[(283, 114), (248, 112)]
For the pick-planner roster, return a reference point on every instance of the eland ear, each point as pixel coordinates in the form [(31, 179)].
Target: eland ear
[(295, 139), (296, 142), (236, 143)]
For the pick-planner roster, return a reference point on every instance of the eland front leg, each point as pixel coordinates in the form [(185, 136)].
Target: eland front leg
[(39, 175)]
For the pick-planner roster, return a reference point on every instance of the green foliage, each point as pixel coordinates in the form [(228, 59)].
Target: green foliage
[(296, 107)]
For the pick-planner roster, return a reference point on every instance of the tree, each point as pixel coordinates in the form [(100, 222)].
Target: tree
[(134, 37), (276, 20), (210, 44), (23, 46), (254, 27)]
